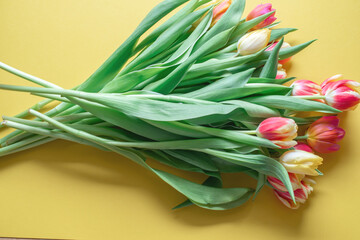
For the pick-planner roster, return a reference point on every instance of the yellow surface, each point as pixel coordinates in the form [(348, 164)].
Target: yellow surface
[(64, 190)]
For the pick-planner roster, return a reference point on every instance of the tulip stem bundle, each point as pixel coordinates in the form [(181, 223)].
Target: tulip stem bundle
[(203, 93)]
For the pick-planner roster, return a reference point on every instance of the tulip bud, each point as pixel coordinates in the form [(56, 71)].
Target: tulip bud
[(324, 133), (221, 6), (303, 147), (341, 94), (301, 195), (253, 42), (220, 10), (306, 88), (259, 11), (301, 162), (283, 46), (279, 130)]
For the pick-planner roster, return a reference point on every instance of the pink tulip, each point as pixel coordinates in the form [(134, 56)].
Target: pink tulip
[(284, 45), (261, 10), (324, 133), (341, 94), (301, 195), (306, 88), (279, 130), (220, 10), (303, 147)]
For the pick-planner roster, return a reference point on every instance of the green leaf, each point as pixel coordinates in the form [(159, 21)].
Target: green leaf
[(169, 83), (304, 121), (165, 40), (247, 90), (179, 16), (129, 123), (229, 20), (244, 27), (271, 65), (174, 162), (205, 196), (237, 80), (254, 110), (200, 131), (260, 184), (291, 103), (288, 52), (210, 181), (197, 159), (188, 45), (270, 80), (203, 143), (218, 64), (260, 163), (113, 64), (280, 32)]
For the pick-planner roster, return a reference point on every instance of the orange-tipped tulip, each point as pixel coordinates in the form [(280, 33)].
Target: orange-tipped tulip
[(220, 10), (324, 134)]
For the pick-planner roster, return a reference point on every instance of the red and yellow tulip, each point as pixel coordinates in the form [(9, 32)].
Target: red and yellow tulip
[(279, 130)]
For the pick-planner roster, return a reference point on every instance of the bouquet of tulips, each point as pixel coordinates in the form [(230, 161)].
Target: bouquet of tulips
[(203, 92)]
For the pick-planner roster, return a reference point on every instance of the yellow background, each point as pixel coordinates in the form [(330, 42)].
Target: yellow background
[(65, 190)]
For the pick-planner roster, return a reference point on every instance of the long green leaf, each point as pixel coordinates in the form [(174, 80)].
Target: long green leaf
[(291, 103), (271, 65), (113, 64), (260, 163)]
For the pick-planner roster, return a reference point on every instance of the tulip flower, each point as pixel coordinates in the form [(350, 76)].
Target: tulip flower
[(279, 185), (303, 147), (220, 10), (306, 88), (301, 162), (284, 45), (279, 130), (221, 6), (253, 42), (261, 10), (324, 133), (301, 195), (341, 94)]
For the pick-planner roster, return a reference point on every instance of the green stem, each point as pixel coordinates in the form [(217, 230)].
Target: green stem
[(92, 139), (250, 132), (301, 137), (20, 145), (26, 76), (310, 97)]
